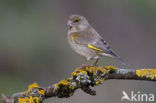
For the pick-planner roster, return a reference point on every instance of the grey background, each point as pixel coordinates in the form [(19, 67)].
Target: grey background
[(34, 47)]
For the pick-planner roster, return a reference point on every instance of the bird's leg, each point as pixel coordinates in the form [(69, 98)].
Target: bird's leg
[(95, 64), (84, 64)]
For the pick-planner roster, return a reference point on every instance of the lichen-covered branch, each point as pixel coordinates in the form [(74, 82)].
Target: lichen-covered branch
[(82, 78)]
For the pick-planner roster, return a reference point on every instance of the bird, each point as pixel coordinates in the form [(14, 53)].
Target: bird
[(87, 42)]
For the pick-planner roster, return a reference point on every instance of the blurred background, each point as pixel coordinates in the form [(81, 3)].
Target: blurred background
[(34, 47)]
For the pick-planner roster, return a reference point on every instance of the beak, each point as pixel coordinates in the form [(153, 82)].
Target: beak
[(69, 24)]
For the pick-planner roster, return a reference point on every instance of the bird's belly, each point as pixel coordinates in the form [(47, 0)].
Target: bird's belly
[(84, 51)]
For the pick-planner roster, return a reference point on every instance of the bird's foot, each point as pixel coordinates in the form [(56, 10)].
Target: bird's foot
[(96, 63), (83, 65)]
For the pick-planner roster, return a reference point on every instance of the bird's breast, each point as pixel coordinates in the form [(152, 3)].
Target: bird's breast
[(81, 49)]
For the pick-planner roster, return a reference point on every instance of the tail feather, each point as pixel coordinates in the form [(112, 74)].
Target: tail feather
[(122, 61), (119, 58)]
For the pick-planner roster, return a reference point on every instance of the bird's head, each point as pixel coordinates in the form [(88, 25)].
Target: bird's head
[(77, 23)]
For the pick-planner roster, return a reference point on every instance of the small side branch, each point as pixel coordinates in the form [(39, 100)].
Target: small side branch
[(82, 78)]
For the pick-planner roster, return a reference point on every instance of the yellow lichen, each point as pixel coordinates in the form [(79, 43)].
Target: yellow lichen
[(36, 99), (91, 69), (25, 100), (102, 79), (42, 92), (77, 71), (95, 69), (102, 69), (148, 73), (34, 85), (56, 86), (111, 68), (65, 83), (24, 92), (29, 100), (97, 82)]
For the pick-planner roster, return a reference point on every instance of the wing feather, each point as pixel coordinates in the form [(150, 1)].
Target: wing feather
[(91, 39)]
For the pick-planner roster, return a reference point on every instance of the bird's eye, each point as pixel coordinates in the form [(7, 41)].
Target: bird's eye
[(76, 20)]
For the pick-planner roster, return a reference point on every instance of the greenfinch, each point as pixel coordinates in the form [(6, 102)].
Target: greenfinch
[(85, 41)]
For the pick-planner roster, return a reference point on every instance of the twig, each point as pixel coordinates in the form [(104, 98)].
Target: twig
[(82, 78)]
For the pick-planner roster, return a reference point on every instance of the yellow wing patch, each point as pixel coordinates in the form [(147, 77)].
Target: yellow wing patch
[(94, 48), (74, 36)]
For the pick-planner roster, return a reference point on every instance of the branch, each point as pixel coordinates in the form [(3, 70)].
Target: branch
[(82, 78)]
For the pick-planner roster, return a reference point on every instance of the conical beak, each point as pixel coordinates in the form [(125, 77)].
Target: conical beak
[(69, 24)]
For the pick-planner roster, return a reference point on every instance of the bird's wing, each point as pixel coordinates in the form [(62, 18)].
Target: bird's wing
[(93, 40)]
